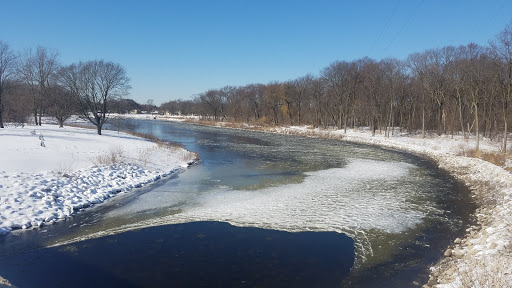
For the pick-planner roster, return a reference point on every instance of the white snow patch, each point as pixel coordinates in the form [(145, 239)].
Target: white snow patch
[(40, 184)]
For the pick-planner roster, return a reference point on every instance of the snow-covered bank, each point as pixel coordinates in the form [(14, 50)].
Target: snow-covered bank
[(484, 254), (47, 172), (482, 258)]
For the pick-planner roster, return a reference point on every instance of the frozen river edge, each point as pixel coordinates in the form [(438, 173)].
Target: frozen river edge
[(485, 250), (482, 257)]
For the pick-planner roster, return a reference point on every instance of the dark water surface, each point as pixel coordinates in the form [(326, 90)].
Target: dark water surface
[(198, 254), (297, 227)]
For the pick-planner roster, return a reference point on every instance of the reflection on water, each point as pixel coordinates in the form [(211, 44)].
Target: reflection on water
[(399, 209)]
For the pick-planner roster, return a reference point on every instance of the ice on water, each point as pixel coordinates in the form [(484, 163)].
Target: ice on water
[(339, 199)]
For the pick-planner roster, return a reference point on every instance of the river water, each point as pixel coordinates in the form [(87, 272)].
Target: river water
[(306, 213)]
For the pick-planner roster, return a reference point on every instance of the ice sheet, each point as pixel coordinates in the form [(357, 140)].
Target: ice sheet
[(337, 199)]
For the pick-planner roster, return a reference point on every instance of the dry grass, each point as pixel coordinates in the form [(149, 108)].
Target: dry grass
[(64, 168), (496, 158), (229, 124), (259, 126), (113, 157), (116, 155), (158, 141)]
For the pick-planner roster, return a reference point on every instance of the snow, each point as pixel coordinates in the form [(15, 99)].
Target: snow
[(47, 173), (483, 258), (40, 185)]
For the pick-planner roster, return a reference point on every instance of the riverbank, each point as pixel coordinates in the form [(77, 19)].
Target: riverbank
[(482, 257), (48, 173)]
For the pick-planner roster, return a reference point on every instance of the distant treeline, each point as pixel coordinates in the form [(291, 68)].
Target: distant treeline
[(450, 90)]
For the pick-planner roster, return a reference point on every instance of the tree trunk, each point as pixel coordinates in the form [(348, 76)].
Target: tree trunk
[(345, 120), (423, 119), (374, 124), (459, 98), (298, 114), (388, 128), (440, 121), (35, 116), (505, 121), (340, 119), (477, 131), (1, 108)]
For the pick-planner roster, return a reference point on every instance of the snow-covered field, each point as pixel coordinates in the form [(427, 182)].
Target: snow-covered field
[(47, 173)]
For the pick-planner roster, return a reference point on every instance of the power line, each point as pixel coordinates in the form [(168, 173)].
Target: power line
[(385, 26), (406, 23)]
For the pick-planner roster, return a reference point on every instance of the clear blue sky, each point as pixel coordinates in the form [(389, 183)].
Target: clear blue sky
[(176, 49)]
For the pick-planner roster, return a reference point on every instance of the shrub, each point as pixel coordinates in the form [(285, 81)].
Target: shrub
[(113, 157)]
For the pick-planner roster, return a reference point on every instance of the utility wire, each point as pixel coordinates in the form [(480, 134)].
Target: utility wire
[(388, 22), (406, 23)]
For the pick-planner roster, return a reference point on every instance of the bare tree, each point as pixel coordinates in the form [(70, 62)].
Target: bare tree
[(474, 78), (303, 86), (273, 101), (336, 76), (38, 70), (214, 102), (502, 51), (317, 98), (391, 69), (61, 103), (18, 103), (7, 65), (254, 94), (95, 84)]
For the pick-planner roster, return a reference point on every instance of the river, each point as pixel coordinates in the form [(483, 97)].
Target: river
[(302, 212)]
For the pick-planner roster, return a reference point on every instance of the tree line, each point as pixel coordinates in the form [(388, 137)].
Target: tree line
[(34, 83), (449, 90)]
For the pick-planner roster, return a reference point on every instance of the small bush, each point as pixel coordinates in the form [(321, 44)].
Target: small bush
[(113, 157), (64, 168)]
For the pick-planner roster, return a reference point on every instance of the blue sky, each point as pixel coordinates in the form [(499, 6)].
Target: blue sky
[(177, 49)]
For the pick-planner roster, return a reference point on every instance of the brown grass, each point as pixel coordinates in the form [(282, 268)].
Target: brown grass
[(153, 138), (496, 158), (259, 126), (228, 124)]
